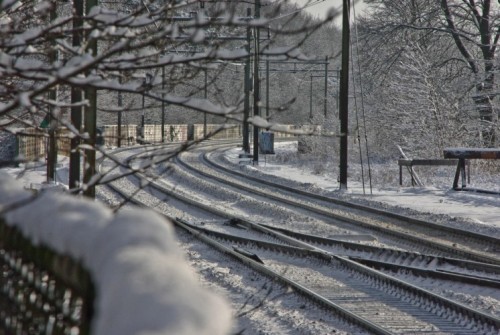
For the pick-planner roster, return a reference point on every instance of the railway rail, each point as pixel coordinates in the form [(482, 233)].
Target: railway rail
[(377, 302), (435, 238), (363, 296)]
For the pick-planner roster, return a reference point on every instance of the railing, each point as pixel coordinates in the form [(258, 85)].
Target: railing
[(41, 292)]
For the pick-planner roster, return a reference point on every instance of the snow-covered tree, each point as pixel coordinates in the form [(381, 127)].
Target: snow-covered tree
[(432, 70), (76, 63)]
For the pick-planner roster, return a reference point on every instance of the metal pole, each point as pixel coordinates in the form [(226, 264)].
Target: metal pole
[(267, 90), (310, 98), (205, 113), (344, 95), (338, 92), (326, 84), (256, 88), (163, 104), (119, 130), (246, 106), (142, 115), (143, 121), (120, 103)]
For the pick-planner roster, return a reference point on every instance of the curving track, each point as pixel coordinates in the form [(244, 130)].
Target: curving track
[(331, 273)]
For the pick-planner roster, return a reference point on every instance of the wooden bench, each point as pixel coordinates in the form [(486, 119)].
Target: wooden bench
[(410, 163), (464, 154)]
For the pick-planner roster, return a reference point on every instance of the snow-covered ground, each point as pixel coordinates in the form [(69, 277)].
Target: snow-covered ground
[(437, 197), (475, 211)]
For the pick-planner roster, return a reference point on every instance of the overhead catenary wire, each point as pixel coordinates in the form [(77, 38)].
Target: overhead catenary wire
[(357, 121)]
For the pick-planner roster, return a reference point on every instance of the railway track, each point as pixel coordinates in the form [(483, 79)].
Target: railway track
[(377, 302), (427, 237), (331, 277)]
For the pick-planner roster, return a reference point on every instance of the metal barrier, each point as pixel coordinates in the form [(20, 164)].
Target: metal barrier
[(41, 292)]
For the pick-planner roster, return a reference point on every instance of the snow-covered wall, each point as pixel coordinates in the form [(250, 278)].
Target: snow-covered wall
[(143, 284)]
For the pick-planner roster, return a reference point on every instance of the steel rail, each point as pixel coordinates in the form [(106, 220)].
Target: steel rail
[(476, 235), (326, 255), (487, 320), (448, 249), (379, 277), (309, 294)]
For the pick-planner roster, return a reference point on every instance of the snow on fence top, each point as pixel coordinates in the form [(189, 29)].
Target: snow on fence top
[(143, 284)]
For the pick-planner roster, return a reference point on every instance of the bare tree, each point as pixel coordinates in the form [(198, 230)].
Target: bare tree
[(58, 57), (475, 28), (458, 40)]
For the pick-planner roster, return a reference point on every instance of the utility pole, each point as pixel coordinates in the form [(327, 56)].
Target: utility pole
[(205, 113), (325, 98), (256, 87), (311, 99), (90, 121), (326, 85), (163, 104), (246, 103), (120, 103), (344, 95), (267, 90), (268, 114)]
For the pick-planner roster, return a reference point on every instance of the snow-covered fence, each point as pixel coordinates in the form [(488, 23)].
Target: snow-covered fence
[(42, 291), (178, 133), (110, 135), (173, 133), (142, 283), (232, 131), (31, 144), (219, 131)]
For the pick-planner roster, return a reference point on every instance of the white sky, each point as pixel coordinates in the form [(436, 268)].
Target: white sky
[(321, 8)]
